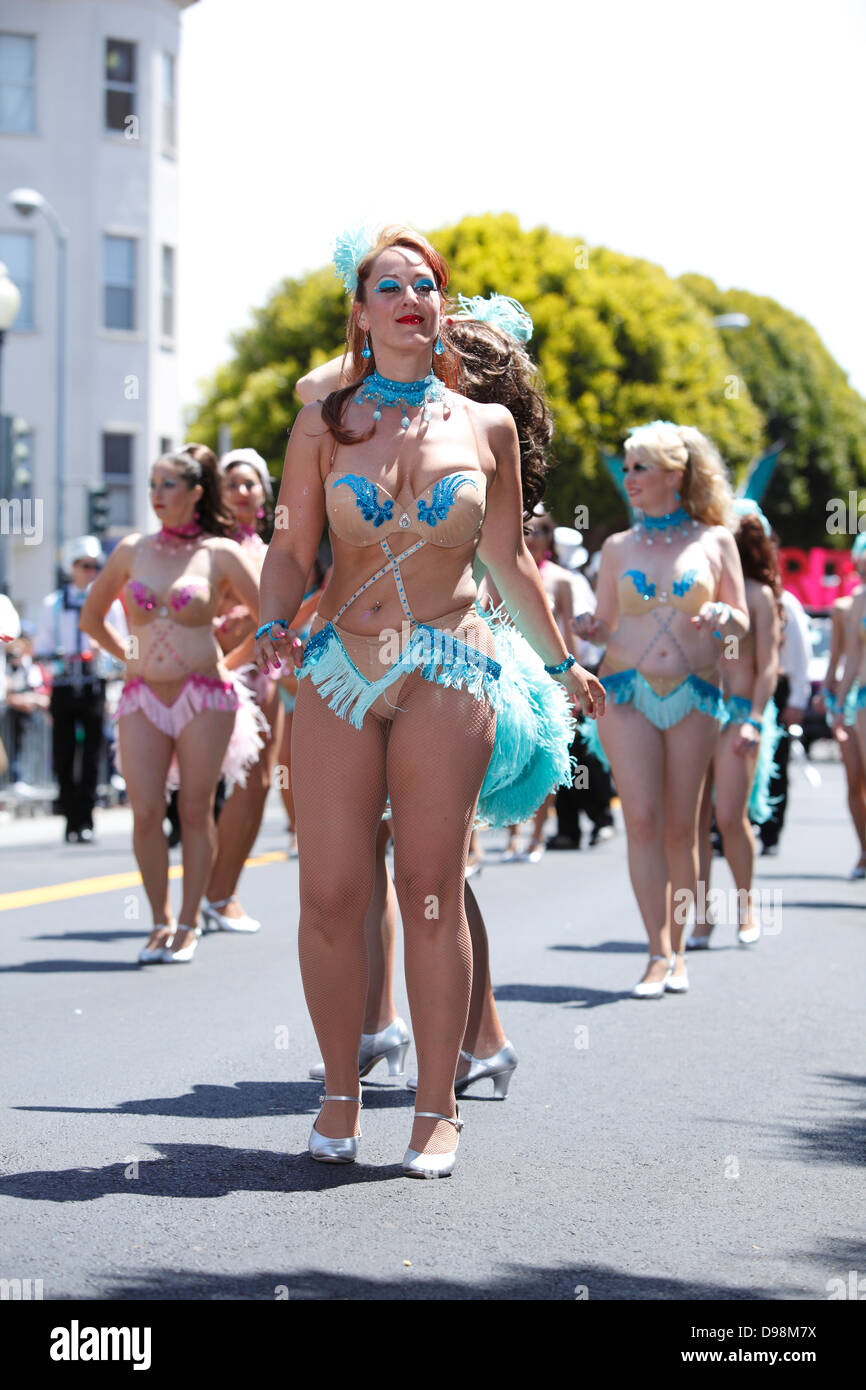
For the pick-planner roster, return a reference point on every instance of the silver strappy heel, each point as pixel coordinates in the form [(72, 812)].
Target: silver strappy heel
[(326, 1150), (418, 1165)]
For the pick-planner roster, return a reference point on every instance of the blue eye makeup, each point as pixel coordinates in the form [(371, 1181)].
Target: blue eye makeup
[(425, 284), (387, 285)]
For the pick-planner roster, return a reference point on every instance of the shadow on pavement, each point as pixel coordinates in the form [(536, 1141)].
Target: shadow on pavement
[(246, 1100), (194, 1170), (557, 994), (841, 1139), (106, 935), (606, 947), (598, 1282), (836, 906), (59, 967)]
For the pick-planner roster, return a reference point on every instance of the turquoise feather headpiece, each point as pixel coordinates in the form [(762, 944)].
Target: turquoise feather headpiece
[(500, 311), (747, 506), (350, 248)]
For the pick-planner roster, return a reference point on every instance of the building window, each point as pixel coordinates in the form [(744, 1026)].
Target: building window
[(119, 276), (17, 254), (117, 476), (169, 127), (164, 444), (167, 293), (120, 91), (17, 84)]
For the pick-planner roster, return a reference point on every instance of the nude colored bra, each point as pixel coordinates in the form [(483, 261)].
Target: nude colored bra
[(174, 602), (449, 512), (638, 595)]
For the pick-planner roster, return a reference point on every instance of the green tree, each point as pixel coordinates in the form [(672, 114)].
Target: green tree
[(618, 342), (806, 400)]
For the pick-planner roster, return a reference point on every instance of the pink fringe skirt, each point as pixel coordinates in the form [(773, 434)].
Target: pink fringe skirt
[(201, 693)]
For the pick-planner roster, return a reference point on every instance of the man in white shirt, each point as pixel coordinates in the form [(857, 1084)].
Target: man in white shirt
[(80, 669)]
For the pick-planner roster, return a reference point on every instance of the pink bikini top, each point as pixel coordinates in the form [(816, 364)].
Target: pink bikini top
[(193, 600)]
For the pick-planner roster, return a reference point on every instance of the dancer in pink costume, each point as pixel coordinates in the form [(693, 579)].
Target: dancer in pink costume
[(176, 720), (248, 495)]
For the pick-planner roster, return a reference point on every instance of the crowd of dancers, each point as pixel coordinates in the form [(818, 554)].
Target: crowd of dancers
[(424, 674)]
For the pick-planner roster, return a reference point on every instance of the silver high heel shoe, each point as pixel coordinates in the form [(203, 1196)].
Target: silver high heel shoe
[(418, 1165), (749, 936), (185, 954), (649, 989), (500, 1068), (149, 955), (214, 920), (326, 1150), (680, 983), (389, 1045)]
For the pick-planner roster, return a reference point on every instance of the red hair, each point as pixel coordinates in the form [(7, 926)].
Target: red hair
[(446, 366)]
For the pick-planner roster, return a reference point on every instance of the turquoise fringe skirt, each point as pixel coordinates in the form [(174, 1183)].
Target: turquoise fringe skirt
[(534, 724), (664, 711)]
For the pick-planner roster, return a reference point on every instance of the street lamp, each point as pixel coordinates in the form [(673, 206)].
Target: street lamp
[(26, 201), (10, 303)]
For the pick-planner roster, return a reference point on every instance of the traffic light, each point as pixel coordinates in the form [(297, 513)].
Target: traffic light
[(97, 509)]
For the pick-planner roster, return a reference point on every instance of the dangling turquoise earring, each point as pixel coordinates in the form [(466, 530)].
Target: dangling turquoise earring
[(365, 350), (439, 346)]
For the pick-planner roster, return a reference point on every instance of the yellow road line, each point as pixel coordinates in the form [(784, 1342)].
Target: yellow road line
[(108, 883)]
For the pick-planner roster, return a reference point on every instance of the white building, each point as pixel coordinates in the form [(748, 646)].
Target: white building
[(88, 118)]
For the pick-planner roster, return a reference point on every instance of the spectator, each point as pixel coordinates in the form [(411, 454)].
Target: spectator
[(79, 670)]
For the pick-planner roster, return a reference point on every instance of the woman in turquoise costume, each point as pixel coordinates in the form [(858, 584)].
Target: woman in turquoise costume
[(532, 733), (844, 698), (843, 731), (399, 698), (739, 778), (670, 596)]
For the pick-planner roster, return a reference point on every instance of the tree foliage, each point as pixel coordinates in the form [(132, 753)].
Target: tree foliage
[(805, 399), (618, 342)]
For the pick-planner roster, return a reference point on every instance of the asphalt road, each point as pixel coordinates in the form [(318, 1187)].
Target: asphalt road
[(707, 1146)]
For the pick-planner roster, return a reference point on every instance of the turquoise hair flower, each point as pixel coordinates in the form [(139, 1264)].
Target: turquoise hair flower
[(500, 311), (350, 248), (859, 546), (747, 506)]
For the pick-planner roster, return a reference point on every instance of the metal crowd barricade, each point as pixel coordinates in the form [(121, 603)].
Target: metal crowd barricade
[(27, 784)]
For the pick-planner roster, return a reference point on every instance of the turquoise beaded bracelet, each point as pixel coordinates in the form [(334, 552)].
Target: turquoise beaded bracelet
[(563, 666), (275, 622)]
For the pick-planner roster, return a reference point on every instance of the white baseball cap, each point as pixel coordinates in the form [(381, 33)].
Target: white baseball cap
[(255, 461), (569, 547), (83, 548)]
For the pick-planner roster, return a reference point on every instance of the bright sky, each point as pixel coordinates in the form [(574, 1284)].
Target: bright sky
[(725, 138)]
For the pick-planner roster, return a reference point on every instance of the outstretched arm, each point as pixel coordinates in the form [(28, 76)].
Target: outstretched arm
[(101, 595), (515, 573), (301, 506)]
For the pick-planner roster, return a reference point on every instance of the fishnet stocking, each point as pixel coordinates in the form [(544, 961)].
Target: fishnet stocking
[(338, 774), (432, 758), (438, 750)]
